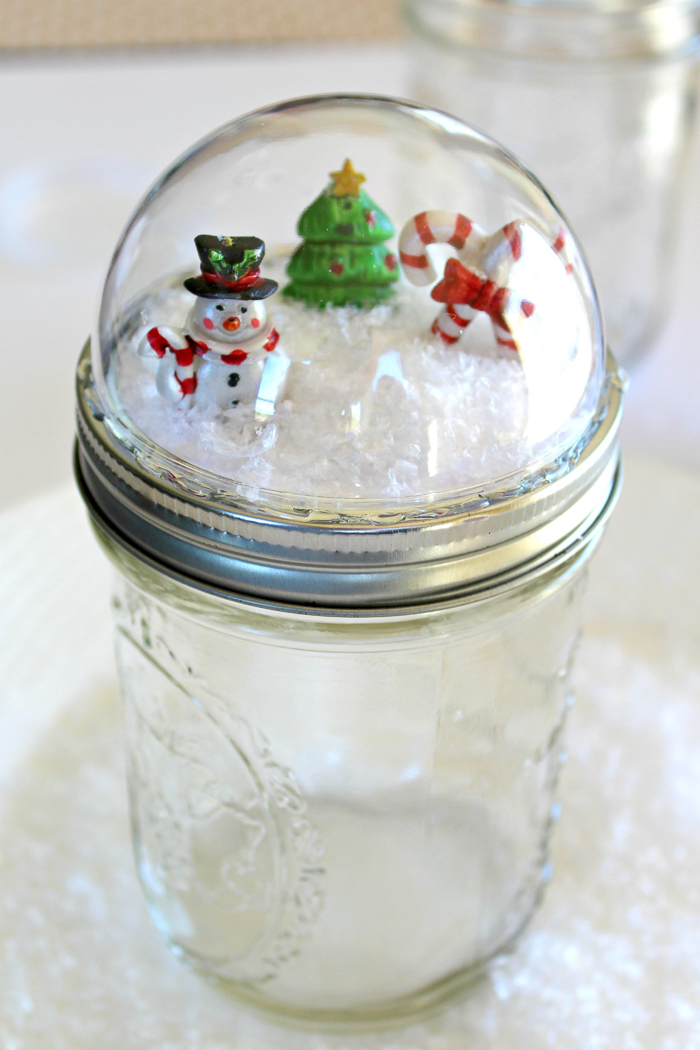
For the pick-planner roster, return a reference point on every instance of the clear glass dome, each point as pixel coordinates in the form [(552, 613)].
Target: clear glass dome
[(344, 301)]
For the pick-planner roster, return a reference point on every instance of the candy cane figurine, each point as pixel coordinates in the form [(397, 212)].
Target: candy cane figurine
[(464, 291), (437, 227)]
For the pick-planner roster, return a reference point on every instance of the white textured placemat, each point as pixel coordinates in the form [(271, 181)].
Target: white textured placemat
[(612, 959)]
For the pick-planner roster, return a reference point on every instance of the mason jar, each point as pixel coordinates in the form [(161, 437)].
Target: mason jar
[(347, 603), (599, 99)]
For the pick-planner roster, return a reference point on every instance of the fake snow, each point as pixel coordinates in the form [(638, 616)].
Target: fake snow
[(374, 406)]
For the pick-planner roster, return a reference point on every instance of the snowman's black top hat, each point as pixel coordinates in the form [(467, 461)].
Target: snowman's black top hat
[(230, 269)]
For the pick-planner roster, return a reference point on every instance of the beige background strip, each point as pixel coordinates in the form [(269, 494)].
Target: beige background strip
[(100, 23)]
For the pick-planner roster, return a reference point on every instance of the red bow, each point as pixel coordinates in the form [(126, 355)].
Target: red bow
[(462, 286)]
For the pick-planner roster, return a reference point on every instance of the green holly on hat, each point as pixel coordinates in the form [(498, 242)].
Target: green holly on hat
[(230, 269), (342, 259)]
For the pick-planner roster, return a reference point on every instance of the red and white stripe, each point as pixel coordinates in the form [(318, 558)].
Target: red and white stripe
[(165, 340), (505, 247), (436, 227), (501, 250), (450, 324), (503, 334), (490, 260)]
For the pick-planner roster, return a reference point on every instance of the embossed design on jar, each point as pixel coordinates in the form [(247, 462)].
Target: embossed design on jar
[(229, 861)]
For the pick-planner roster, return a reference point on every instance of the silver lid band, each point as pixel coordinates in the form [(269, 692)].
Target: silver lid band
[(450, 551)]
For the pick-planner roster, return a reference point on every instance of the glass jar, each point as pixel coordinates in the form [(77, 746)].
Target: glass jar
[(599, 100), (347, 595)]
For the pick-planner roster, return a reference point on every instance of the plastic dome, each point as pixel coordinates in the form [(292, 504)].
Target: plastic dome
[(348, 299)]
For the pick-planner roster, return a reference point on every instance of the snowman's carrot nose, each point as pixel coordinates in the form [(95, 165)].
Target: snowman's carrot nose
[(232, 323)]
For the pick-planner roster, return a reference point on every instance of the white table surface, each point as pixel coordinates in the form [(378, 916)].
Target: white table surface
[(82, 137)]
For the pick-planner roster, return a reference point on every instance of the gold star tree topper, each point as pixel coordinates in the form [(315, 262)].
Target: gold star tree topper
[(347, 181)]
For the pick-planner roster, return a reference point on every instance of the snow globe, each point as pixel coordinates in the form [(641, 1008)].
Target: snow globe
[(347, 432)]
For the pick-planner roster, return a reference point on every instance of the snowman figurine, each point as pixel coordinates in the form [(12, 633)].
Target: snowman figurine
[(228, 343)]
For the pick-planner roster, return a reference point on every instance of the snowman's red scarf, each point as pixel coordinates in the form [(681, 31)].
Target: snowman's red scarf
[(237, 357), (185, 357)]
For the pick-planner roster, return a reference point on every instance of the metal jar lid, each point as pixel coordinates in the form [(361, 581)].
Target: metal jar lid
[(444, 551)]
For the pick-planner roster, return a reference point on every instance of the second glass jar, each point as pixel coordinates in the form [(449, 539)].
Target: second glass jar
[(600, 102)]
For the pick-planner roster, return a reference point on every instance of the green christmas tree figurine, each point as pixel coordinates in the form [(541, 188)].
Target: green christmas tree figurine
[(342, 259)]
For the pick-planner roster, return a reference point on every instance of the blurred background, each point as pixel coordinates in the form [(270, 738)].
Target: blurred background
[(598, 98)]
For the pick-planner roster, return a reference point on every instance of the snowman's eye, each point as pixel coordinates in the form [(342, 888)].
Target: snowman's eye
[(219, 306), (244, 309)]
